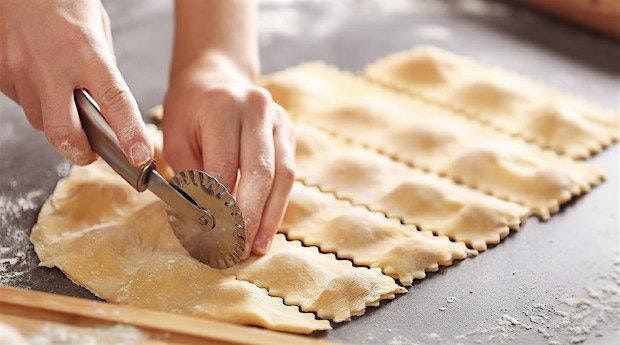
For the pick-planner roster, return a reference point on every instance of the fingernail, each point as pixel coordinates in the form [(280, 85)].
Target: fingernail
[(140, 154)]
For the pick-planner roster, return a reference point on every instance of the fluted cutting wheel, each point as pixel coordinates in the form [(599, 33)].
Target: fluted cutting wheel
[(217, 239)]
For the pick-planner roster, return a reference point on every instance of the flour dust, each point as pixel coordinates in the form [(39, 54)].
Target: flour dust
[(594, 314)]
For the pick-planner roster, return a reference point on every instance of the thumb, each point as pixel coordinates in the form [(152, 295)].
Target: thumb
[(119, 108)]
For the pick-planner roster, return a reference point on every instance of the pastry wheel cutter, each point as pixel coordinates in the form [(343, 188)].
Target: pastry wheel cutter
[(203, 215)]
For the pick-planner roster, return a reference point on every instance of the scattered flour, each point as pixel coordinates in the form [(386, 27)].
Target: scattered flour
[(14, 243), (63, 169), (572, 320), (401, 340), (13, 208)]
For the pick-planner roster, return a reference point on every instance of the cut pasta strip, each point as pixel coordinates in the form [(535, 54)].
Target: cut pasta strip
[(431, 202), (317, 282), (367, 238), (432, 138), (118, 244), (500, 98)]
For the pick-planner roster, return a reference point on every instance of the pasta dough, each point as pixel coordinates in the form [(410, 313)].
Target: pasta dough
[(379, 177), (365, 237), (500, 98), (433, 139), (432, 203), (117, 243), (334, 289)]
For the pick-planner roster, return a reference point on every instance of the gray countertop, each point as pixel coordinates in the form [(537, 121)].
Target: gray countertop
[(551, 282)]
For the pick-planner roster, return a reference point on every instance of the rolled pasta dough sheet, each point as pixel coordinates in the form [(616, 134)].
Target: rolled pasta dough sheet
[(117, 243), (502, 99), (431, 138)]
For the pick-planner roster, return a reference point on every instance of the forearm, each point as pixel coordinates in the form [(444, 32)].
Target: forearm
[(213, 33)]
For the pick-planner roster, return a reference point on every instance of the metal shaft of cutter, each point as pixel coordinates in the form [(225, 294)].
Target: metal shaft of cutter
[(179, 202), (103, 141)]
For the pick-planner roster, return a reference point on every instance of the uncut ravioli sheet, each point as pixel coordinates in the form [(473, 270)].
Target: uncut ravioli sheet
[(431, 138), (117, 243), (499, 98)]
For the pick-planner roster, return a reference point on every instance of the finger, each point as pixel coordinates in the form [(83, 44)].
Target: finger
[(62, 127), (220, 149), (282, 184), (120, 110), (105, 21), (256, 163), (28, 99)]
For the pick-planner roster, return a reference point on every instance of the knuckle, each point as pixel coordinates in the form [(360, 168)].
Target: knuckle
[(114, 97), (263, 169), (223, 95), (259, 95), (287, 173), (79, 37), (259, 100)]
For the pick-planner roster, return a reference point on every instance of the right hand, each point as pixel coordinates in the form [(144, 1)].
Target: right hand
[(50, 48)]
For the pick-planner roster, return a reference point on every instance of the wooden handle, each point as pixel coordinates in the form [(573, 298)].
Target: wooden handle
[(103, 141), (601, 15), (29, 311)]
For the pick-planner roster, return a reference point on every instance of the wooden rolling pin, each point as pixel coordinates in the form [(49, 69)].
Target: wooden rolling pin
[(33, 313), (601, 15)]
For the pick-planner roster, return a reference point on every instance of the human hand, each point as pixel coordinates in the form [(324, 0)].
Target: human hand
[(218, 121), (50, 48)]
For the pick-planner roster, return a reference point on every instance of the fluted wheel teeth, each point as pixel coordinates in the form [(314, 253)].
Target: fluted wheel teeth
[(193, 182)]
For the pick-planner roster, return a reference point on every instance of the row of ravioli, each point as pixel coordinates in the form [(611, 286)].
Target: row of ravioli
[(123, 249), (431, 138), (499, 98)]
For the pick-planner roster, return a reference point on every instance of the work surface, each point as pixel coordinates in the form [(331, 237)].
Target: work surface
[(499, 294)]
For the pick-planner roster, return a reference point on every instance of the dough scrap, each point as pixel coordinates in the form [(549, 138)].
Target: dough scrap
[(117, 243), (367, 238), (500, 98), (432, 203), (434, 139), (316, 282)]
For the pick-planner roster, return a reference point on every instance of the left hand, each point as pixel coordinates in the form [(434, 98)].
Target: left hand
[(217, 120)]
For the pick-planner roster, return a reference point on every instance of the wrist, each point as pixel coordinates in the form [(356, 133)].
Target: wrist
[(213, 65)]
